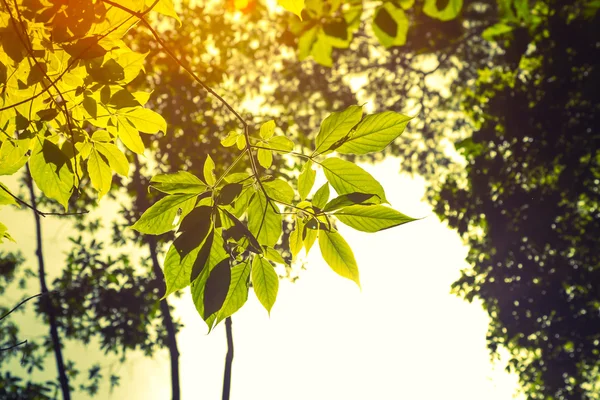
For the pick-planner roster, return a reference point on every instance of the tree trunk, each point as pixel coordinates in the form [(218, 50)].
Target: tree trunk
[(168, 320), (47, 305), (142, 203), (228, 360)]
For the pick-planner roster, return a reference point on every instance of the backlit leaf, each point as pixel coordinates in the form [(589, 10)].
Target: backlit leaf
[(296, 242), (351, 199), (321, 196), (238, 290), (449, 12), (51, 173), (146, 120), (209, 171), (347, 177), (180, 182), (338, 255), (390, 25), (375, 133), (217, 287), (306, 180), (159, 218), (294, 6), (371, 218), (280, 143), (100, 173), (335, 127), (265, 158), (267, 130), (265, 282), (279, 190), (263, 221)]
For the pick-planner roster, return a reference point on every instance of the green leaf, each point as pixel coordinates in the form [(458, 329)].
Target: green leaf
[(209, 171), (116, 159), (217, 287), (335, 128), (132, 64), (267, 130), (296, 242), (217, 255), (371, 218), (128, 134), (390, 25), (279, 190), (13, 155), (406, 4), (294, 6), (100, 173), (239, 231), (263, 221), (321, 196), (4, 234), (273, 255), (280, 143), (241, 142), (265, 158), (146, 120), (159, 218), (241, 203), (321, 50), (164, 7), (230, 140), (50, 169), (181, 258), (351, 199), (237, 294), (306, 41), (265, 282), (497, 30), (451, 10), (309, 238), (375, 133), (338, 255), (347, 177), (229, 192), (180, 182), (306, 180), (6, 198)]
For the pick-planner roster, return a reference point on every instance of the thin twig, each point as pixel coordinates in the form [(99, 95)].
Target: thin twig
[(38, 212), (13, 346), (23, 302)]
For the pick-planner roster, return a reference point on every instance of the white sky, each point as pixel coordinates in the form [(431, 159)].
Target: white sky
[(402, 337)]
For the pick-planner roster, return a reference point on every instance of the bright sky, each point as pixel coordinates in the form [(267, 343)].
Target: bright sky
[(402, 337)]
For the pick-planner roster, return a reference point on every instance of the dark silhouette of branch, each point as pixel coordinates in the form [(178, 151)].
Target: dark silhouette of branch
[(228, 360), (168, 320), (39, 212), (13, 346), (48, 307), (23, 302)]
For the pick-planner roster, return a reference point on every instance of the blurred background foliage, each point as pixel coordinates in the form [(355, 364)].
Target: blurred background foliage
[(506, 136)]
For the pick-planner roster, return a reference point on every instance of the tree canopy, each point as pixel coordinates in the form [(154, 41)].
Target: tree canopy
[(91, 88)]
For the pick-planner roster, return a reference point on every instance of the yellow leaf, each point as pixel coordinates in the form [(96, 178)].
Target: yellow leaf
[(295, 6)]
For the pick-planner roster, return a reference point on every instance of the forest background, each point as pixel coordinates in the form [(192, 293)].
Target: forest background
[(503, 136)]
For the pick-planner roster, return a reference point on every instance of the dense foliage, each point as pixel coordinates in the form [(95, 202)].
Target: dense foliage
[(529, 205), (67, 101)]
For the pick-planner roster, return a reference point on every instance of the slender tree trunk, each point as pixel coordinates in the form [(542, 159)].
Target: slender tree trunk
[(228, 360), (168, 320), (47, 305), (142, 203)]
